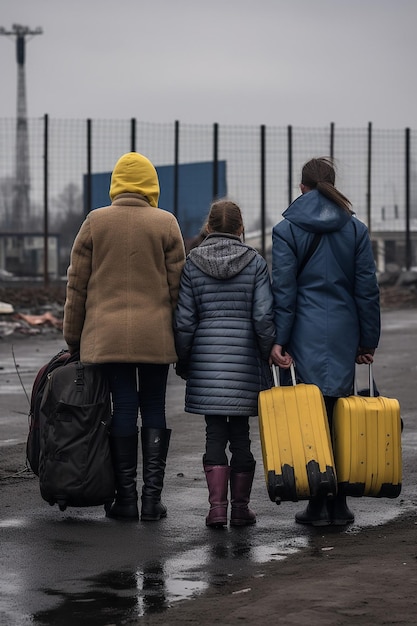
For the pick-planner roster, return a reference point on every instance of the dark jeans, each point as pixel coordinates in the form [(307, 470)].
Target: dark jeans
[(134, 388), (222, 430)]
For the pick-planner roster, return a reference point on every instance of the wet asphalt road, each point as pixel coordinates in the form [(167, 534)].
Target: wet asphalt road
[(77, 566)]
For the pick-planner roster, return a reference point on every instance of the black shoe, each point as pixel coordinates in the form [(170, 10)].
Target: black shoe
[(339, 512), (315, 514), (152, 510), (124, 511)]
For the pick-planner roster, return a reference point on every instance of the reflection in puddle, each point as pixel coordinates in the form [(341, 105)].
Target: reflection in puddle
[(126, 595), (278, 550), (120, 596), (89, 607), (152, 584), (180, 578), (184, 574)]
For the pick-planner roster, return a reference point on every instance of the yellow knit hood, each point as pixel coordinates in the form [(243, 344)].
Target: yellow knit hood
[(134, 173)]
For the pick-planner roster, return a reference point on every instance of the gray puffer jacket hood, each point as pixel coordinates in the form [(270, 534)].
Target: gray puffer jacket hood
[(222, 256)]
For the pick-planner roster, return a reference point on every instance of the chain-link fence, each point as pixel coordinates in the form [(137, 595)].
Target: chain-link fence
[(376, 170)]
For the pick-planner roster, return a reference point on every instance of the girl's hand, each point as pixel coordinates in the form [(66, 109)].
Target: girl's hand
[(279, 357)]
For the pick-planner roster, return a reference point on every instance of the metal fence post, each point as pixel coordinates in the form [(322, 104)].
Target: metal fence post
[(331, 140), (88, 195), (215, 160), (369, 178), (408, 252), (133, 134), (45, 204), (263, 189), (176, 166), (289, 148)]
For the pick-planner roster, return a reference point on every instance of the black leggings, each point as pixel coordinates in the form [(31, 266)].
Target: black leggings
[(222, 430)]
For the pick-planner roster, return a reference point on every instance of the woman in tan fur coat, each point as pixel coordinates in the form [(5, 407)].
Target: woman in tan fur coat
[(122, 289)]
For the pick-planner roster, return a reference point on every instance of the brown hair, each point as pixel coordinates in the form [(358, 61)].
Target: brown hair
[(225, 217), (320, 174)]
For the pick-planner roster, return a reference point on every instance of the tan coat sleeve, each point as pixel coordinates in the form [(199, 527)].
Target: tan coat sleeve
[(175, 259), (78, 275)]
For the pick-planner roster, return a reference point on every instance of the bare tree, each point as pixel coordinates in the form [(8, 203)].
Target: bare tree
[(6, 201), (67, 219)]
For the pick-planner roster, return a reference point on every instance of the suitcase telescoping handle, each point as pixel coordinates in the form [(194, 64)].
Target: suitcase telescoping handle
[(275, 375), (371, 383)]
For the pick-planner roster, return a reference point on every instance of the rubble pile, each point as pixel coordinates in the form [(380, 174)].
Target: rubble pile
[(39, 310), (398, 297), (31, 310), (398, 288), (33, 299)]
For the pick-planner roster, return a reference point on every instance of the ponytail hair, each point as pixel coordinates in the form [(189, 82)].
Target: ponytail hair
[(320, 174)]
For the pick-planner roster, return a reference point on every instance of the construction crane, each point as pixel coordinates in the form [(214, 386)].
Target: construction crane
[(21, 199)]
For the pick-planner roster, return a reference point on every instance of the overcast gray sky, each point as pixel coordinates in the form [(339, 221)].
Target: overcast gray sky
[(273, 62)]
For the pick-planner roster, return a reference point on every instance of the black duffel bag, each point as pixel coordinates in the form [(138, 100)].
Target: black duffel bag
[(75, 466)]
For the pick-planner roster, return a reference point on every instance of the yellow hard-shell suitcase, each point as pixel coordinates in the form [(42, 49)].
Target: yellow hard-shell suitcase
[(367, 444), (295, 440)]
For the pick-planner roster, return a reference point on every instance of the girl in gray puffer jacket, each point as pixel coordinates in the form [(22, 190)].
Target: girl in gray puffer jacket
[(224, 332)]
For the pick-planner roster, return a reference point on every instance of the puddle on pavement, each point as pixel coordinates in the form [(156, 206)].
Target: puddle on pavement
[(126, 595), (120, 595), (278, 550), (4, 443), (13, 523)]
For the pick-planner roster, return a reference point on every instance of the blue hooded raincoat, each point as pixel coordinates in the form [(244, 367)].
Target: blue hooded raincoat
[(329, 310)]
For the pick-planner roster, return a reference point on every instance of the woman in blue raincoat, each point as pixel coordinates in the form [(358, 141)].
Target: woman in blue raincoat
[(326, 300)]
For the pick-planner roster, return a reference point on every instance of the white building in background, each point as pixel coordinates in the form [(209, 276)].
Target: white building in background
[(23, 254)]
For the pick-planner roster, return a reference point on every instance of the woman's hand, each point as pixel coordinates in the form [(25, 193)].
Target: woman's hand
[(364, 359), (279, 357), (365, 356)]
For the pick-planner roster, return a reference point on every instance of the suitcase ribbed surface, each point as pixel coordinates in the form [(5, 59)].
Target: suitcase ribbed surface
[(367, 446), (295, 440)]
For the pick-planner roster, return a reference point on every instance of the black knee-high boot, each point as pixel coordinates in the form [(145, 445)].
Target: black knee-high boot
[(155, 444), (339, 512), (316, 513), (124, 451)]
